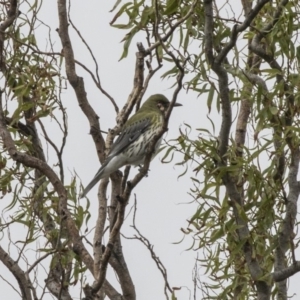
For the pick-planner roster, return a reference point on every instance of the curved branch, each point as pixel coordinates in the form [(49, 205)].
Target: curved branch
[(38, 164), (124, 198), (18, 273), (77, 82), (223, 81), (285, 236), (110, 245), (231, 188), (287, 272), (11, 16), (140, 237), (240, 28), (100, 223), (98, 83)]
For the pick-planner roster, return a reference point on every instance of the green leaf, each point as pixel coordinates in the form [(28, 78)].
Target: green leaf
[(147, 14), (32, 40), (120, 12), (216, 234), (210, 97), (171, 7), (116, 5), (186, 41), (172, 72), (128, 38), (274, 110), (173, 296), (169, 151)]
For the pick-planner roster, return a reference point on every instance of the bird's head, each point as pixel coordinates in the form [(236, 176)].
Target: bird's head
[(158, 101)]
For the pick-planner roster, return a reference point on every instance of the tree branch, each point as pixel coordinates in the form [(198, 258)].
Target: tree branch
[(35, 163), (18, 273), (172, 28), (95, 62), (100, 224), (231, 188), (11, 16), (240, 28), (285, 273), (77, 82), (148, 245), (285, 235)]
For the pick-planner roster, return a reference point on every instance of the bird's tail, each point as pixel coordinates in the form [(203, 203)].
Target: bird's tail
[(97, 177)]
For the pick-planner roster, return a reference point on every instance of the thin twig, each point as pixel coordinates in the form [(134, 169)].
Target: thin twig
[(95, 62), (150, 247)]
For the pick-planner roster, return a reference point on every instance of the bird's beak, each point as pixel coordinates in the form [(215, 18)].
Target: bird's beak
[(177, 104)]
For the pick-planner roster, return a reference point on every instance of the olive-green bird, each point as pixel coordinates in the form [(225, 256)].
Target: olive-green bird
[(131, 145)]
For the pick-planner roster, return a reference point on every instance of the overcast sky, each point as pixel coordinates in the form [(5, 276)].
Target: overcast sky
[(163, 201)]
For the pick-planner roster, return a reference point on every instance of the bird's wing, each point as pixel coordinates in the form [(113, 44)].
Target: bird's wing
[(129, 134)]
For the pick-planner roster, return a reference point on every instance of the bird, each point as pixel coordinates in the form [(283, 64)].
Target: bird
[(131, 145)]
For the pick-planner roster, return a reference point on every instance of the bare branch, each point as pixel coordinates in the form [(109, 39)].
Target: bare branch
[(11, 16), (117, 216), (100, 224), (57, 151), (77, 82), (39, 260), (223, 81), (240, 28), (11, 284), (95, 62), (18, 273), (137, 89), (110, 245), (285, 273), (150, 247)]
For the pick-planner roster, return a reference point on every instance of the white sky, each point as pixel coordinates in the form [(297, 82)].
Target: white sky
[(163, 200)]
